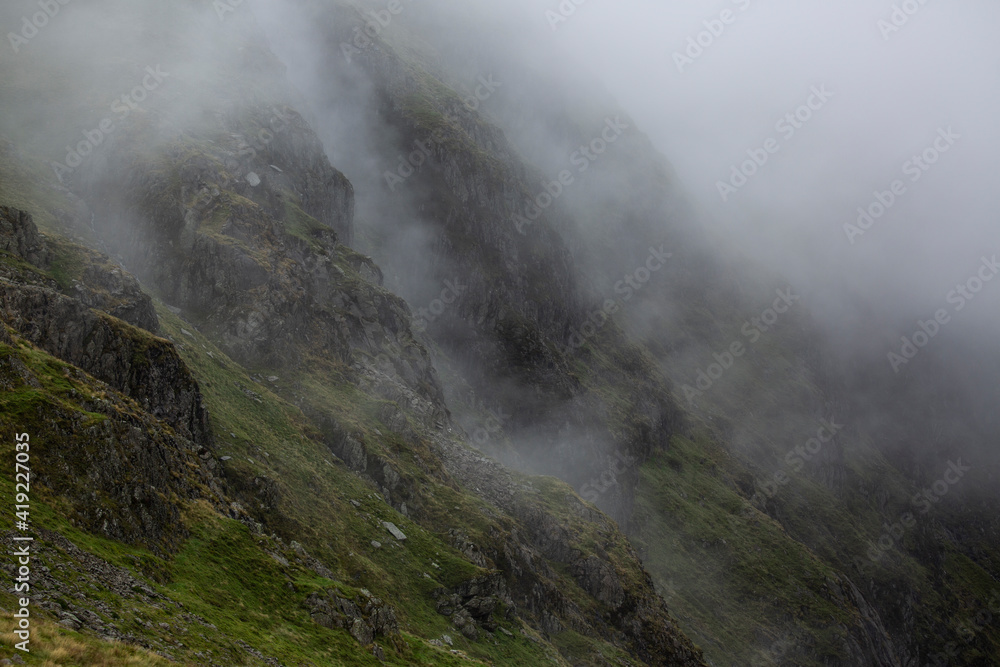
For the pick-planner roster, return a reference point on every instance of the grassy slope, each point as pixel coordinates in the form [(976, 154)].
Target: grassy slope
[(268, 437), (725, 568), (317, 490), (209, 576), (730, 572), (752, 589)]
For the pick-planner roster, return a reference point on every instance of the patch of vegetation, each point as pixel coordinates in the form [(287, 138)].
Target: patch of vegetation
[(274, 439), (303, 226), (68, 262), (209, 573), (53, 644), (728, 571)]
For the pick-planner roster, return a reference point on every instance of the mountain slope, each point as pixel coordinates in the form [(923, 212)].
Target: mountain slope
[(255, 264), (773, 397), (280, 398)]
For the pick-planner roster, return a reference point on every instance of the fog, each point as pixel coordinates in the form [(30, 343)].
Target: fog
[(827, 108), (891, 92), (716, 86), (848, 149)]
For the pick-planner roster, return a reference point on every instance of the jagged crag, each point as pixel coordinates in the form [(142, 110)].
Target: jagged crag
[(246, 451)]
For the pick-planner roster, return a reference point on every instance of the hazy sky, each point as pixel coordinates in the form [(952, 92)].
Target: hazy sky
[(892, 90), (717, 83)]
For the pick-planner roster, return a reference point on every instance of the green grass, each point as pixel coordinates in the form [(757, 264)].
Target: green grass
[(58, 386), (301, 225), (315, 490), (727, 571), (210, 575), (53, 644), (225, 574), (68, 261)]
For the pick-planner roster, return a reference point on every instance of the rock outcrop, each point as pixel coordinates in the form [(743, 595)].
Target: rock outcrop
[(81, 326), (366, 620)]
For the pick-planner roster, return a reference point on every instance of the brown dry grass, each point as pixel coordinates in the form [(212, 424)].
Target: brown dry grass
[(55, 645)]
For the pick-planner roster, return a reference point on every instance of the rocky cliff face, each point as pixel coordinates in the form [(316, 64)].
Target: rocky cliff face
[(127, 435), (162, 444), (91, 325), (246, 240), (263, 397), (525, 291), (589, 406)]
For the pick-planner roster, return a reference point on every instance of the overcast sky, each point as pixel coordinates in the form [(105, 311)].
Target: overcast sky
[(891, 93)]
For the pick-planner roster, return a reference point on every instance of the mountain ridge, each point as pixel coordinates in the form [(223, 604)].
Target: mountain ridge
[(313, 410)]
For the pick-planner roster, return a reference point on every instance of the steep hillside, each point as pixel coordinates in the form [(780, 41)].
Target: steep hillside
[(288, 424), (175, 515), (325, 363), (605, 396)]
